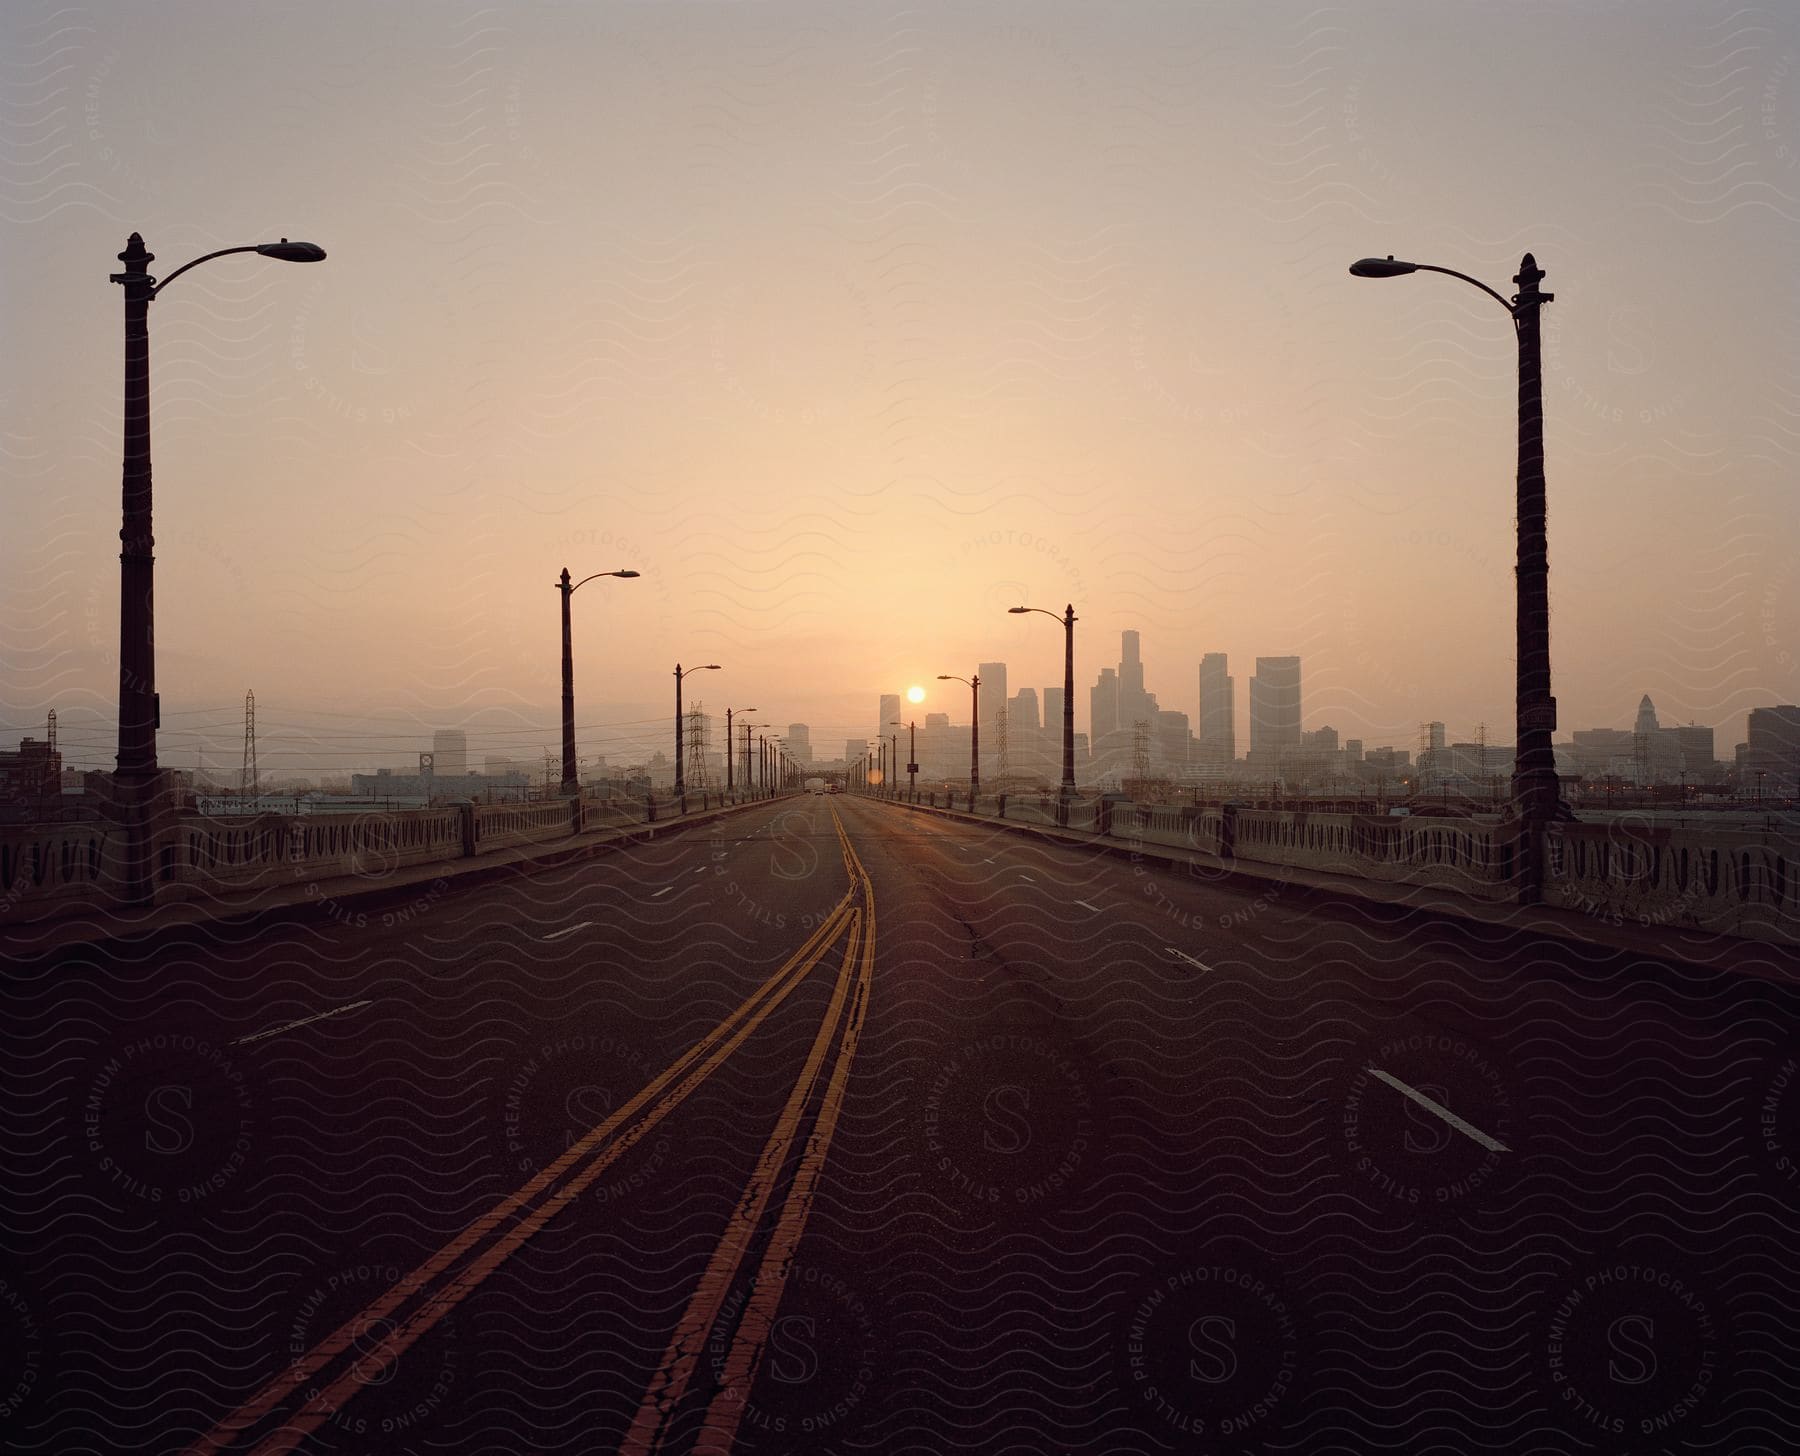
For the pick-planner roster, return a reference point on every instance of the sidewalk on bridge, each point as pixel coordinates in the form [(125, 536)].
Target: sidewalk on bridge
[(399, 893), (1665, 943)]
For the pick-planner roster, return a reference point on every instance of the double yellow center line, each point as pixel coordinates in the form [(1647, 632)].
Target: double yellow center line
[(322, 1381)]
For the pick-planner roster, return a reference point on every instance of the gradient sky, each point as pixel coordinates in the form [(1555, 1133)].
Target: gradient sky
[(851, 326)]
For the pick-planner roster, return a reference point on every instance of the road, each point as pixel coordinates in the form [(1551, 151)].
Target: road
[(833, 1126)]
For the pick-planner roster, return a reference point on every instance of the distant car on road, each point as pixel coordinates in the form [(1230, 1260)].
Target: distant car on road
[(832, 789)]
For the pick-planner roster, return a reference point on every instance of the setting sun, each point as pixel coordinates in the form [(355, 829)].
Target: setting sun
[(915, 695)]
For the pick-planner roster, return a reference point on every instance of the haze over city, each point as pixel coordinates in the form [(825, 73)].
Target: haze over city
[(800, 729), (850, 329)]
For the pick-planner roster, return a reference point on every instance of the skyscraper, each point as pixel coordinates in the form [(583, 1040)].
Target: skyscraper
[(993, 692), (1132, 704), (1275, 708), (1103, 705), (1053, 709), (450, 752), (1218, 712), (890, 710), (799, 743), (1024, 715)]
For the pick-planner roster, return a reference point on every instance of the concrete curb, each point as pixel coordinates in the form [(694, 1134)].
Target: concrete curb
[(303, 900), (1704, 952)]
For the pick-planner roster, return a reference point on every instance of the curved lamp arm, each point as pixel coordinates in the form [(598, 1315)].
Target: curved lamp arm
[(1451, 272), (284, 250), (1391, 267), (586, 579)]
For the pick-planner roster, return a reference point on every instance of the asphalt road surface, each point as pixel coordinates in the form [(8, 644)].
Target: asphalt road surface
[(833, 1126)]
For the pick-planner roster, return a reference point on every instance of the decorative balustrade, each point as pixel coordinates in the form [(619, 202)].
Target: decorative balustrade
[(51, 869), (1735, 882)]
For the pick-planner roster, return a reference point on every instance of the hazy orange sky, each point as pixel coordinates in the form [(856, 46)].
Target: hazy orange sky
[(850, 326)]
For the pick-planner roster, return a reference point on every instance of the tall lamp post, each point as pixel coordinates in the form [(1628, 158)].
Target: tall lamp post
[(974, 730), (1536, 795), (912, 754), (136, 773), (749, 776), (1068, 619), (680, 776), (571, 774), (729, 754)]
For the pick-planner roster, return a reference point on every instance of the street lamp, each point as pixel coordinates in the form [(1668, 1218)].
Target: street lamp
[(680, 778), (1068, 619), (137, 771), (571, 776), (912, 754), (974, 731), (728, 752), (1536, 795), (749, 772)]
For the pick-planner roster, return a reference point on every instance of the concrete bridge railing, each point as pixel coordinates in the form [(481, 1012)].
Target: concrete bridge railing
[(1720, 880), (1732, 882), (52, 869)]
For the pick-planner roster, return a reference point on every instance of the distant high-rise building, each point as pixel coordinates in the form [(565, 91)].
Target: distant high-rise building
[(449, 752), (799, 743), (1646, 716), (1024, 715), (1103, 704), (1772, 742), (1173, 738), (1053, 709), (1136, 704), (1696, 745), (1436, 737), (890, 710), (1322, 740), (993, 690), (854, 748), (1353, 750), (1218, 711), (1275, 707)]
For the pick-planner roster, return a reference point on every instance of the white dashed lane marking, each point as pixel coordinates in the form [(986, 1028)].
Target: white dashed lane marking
[(1184, 956), (303, 1021), (559, 934), (1439, 1110)]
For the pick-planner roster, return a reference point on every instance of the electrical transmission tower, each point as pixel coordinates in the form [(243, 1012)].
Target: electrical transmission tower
[(694, 775), (247, 779), (50, 730), (1000, 748)]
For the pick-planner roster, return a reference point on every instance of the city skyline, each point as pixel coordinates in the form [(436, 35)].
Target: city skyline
[(704, 403)]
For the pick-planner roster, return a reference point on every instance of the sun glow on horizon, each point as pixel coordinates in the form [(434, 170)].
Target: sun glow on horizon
[(915, 694)]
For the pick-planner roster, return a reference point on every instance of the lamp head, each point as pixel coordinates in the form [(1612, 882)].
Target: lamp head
[(1387, 267), (626, 574), (945, 677), (292, 252), (1017, 610)]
